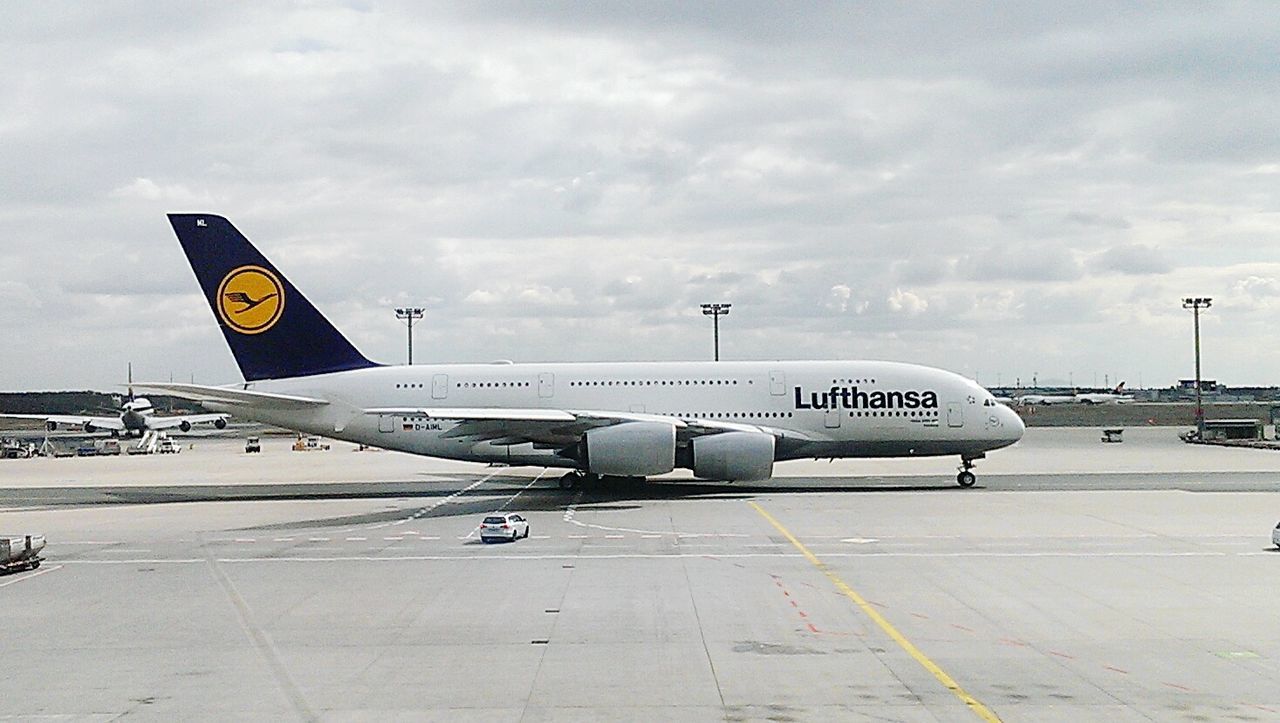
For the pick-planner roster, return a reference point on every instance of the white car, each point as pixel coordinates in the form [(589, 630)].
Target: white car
[(503, 527), (1275, 535)]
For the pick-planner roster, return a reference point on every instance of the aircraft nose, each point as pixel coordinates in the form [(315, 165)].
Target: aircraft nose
[(1005, 426), (1012, 424)]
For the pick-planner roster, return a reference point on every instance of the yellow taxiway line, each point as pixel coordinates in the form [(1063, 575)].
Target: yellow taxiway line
[(974, 704)]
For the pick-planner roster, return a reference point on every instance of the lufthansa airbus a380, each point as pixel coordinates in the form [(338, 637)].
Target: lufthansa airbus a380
[(726, 421)]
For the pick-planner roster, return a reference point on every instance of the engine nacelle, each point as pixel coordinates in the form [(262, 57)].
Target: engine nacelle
[(220, 423), (631, 449), (51, 425), (733, 456), (184, 425), (89, 428)]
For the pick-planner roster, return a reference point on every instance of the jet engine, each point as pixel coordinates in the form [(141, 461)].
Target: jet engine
[(51, 425), (89, 428), (631, 449), (220, 423), (184, 425), (733, 456)]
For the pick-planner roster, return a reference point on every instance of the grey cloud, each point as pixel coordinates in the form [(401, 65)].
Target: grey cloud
[(1134, 259), (1093, 219), (1025, 263)]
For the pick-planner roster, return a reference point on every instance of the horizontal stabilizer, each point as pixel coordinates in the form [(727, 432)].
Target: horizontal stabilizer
[(231, 395)]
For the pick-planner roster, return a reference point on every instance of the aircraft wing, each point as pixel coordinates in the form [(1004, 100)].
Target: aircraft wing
[(558, 427), (230, 395), (177, 420), (110, 423)]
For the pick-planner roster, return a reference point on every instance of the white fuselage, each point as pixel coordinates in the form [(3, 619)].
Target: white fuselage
[(815, 409), (135, 414)]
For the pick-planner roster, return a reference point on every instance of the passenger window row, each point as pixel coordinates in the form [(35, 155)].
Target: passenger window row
[(896, 413), (732, 415), (659, 383)]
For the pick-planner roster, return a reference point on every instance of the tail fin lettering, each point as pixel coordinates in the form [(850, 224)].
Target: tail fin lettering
[(273, 330)]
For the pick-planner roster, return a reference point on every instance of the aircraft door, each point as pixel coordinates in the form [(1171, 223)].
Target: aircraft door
[(832, 418), (955, 414), (777, 383), (546, 385), (440, 386), (386, 423)]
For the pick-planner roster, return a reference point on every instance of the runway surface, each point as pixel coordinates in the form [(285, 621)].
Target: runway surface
[(1079, 581)]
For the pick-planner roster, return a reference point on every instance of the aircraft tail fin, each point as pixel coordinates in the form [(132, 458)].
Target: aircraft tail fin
[(273, 330)]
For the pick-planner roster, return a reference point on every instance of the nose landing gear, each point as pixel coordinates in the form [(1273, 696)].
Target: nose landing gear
[(967, 478)]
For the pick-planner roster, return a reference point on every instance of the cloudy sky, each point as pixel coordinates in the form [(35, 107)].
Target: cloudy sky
[(1006, 192)]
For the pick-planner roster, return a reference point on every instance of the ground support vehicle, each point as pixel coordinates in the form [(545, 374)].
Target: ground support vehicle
[(20, 552), (309, 444)]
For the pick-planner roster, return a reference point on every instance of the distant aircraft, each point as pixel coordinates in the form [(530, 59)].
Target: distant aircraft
[(136, 418), (1047, 399), (722, 420), (1115, 396)]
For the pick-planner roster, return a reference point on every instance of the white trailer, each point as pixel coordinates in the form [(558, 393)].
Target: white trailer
[(20, 552)]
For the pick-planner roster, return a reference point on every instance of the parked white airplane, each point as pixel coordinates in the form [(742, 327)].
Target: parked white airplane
[(136, 417), (1115, 396), (722, 420), (1047, 399)]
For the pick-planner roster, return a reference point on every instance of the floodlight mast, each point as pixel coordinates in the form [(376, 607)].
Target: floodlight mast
[(1196, 304), (715, 311), (410, 314)]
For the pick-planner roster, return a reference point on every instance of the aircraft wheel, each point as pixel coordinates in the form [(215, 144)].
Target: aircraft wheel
[(966, 479)]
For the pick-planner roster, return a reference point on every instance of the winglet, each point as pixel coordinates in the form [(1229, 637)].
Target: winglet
[(273, 330)]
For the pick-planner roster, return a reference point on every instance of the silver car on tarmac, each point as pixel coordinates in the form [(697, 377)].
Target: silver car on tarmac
[(503, 526)]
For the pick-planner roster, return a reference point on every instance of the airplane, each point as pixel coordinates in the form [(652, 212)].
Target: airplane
[(724, 421), (136, 417), (1115, 396), (1047, 399)]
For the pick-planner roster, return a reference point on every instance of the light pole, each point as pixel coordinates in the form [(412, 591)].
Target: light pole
[(1196, 304), (409, 315), (715, 311)]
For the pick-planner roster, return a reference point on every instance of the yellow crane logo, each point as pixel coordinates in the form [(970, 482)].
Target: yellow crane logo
[(250, 299)]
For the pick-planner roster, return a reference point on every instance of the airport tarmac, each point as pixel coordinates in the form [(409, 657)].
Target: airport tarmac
[(1078, 581)]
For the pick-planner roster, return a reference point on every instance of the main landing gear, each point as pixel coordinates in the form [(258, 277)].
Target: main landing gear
[(967, 478), (576, 479)]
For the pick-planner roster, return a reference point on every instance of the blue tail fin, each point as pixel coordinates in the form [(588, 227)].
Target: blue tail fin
[(273, 331)]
